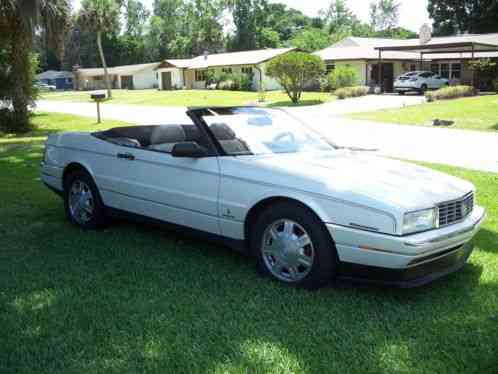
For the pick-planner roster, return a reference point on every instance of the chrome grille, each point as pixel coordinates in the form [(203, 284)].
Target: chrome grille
[(455, 211)]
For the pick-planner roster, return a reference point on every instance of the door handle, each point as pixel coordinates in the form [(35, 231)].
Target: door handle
[(126, 156)]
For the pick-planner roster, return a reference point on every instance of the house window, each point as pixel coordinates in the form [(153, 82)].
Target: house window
[(456, 71), (247, 71), (435, 68), (330, 68), (413, 67), (445, 71), (200, 75), (226, 70)]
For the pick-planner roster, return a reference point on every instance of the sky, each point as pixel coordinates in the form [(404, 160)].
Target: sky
[(413, 13)]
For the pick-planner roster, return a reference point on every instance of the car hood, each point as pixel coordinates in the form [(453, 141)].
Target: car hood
[(362, 179)]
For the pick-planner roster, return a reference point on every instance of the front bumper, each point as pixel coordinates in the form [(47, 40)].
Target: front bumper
[(406, 88), (406, 261)]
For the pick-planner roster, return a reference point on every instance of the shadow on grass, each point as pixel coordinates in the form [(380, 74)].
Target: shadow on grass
[(291, 104), (495, 127)]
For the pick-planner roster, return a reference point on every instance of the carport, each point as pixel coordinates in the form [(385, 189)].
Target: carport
[(465, 47)]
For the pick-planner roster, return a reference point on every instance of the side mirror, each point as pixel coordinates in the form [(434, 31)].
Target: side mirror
[(188, 149)]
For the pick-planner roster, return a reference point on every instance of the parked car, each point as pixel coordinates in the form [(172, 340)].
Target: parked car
[(264, 183), (45, 87), (419, 81)]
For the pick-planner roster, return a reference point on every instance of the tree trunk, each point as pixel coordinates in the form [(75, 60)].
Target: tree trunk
[(102, 59), (23, 89)]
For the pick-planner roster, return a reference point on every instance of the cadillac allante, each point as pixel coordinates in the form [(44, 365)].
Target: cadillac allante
[(265, 183)]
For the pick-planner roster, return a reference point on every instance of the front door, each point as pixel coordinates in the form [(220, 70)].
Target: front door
[(166, 80), (150, 182), (387, 76), (127, 82)]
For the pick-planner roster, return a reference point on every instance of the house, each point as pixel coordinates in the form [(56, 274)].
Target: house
[(129, 77), (62, 80), (447, 56), (191, 73)]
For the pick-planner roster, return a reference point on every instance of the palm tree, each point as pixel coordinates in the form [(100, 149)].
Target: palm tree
[(100, 16), (18, 21)]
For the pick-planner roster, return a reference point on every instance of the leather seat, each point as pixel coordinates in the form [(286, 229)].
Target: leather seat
[(228, 139), (164, 138)]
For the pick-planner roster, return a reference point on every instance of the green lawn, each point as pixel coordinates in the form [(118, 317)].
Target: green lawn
[(191, 97), (133, 298), (476, 113)]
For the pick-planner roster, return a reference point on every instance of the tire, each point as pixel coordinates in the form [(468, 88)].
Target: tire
[(423, 89), (401, 93), (86, 209), (317, 262)]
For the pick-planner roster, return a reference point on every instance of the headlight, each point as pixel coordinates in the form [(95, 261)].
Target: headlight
[(422, 220)]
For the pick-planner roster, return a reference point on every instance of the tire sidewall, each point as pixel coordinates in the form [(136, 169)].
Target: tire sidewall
[(99, 217), (325, 264)]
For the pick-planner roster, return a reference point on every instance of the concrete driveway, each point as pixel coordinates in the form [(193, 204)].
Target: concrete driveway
[(463, 148)]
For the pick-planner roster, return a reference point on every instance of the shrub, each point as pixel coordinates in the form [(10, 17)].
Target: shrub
[(294, 70), (347, 92), (343, 76), (495, 85), (447, 93), (231, 81)]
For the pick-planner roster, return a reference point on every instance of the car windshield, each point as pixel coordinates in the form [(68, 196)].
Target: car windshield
[(259, 131)]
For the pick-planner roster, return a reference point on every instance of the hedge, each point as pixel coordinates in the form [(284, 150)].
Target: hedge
[(346, 92), (446, 93)]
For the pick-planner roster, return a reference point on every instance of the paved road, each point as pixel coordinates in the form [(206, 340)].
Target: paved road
[(463, 148)]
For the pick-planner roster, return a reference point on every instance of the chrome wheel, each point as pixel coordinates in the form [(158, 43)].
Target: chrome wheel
[(81, 202), (287, 250)]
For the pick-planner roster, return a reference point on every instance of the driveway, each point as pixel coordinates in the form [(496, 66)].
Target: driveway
[(462, 148)]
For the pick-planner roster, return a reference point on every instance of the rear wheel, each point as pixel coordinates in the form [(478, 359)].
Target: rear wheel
[(293, 246), (82, 201)]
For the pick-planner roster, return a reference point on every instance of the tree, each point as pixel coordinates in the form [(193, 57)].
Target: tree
[(384, 14), (100, 16), (136, 16), (293, 70), (459, 16), (18, 21), (268, 38), (339, 17), (244, 18), (311, 40)]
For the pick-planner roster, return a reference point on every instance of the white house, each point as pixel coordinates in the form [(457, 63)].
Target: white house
[(126, 77), (447, 56), (191, 73)]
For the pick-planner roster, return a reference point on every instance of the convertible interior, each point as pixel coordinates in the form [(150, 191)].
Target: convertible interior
[(163, 138)]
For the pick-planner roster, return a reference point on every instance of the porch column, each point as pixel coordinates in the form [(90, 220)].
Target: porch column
[(473, 70), (379, 71), (421, 63)]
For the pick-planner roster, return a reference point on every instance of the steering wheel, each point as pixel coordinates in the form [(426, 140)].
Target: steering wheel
[(281, 138)]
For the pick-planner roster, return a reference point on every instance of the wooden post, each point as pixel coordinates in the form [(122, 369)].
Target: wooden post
[(98, 111)]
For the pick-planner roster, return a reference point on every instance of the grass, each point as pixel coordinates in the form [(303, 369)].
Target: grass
[(186, 98), (133, 298), (46, 124), (475, 113)]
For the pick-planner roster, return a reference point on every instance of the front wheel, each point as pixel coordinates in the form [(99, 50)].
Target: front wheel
[(293, 246), (82, 201)]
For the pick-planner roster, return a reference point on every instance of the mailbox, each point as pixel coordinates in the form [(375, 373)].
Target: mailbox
[(98, 96)]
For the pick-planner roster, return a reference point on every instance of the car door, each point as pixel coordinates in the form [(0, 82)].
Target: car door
[(155, 184)]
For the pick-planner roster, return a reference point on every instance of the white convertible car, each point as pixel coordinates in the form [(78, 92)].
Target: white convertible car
[(265, 183)]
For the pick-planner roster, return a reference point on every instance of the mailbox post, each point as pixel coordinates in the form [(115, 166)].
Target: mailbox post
[(98, 97)]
